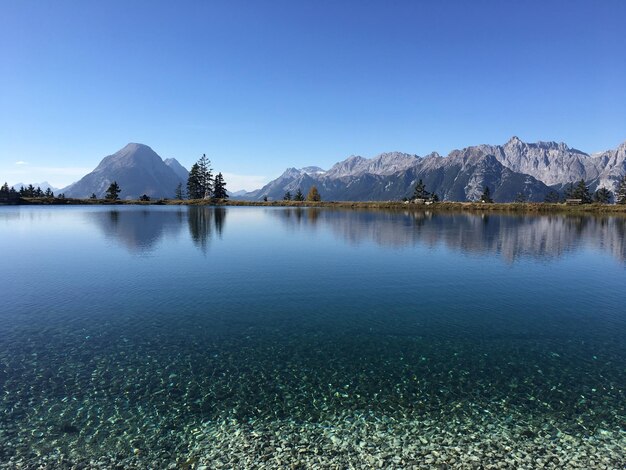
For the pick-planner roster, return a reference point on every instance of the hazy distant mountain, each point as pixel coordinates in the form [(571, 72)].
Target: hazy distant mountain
[(137, 169), (515, 168), (43, 185), (276, 189), (237, 194)]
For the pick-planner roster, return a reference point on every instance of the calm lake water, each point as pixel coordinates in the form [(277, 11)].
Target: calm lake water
[(183, 337)]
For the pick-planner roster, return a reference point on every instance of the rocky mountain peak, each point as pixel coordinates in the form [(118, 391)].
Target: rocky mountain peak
[(515, 141), (313, 170), (432, 155)]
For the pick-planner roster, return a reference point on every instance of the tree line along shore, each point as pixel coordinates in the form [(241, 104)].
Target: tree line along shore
[(512, 207)]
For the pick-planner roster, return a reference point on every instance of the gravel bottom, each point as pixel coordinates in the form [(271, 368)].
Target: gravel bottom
[(358, 442)]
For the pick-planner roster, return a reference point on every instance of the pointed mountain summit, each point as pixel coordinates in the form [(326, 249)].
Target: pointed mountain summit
[(137, 169)]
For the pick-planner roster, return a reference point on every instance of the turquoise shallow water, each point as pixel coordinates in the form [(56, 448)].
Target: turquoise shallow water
[(189, 336)]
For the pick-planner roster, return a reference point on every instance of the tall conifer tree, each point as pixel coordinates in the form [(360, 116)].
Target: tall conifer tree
[(219, 187), (420, 191)]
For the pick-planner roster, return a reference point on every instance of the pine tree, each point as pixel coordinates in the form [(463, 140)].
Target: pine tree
[(206, 178), (287, 196), (113, 192), (144, 198), (93, 196), (178, 194), (7, 193), (194, 187), (219, 187), (581, 191), (486, 195), (314, 194), (299, 196), (420, 191), (199, 183), (602, 196), (49, 193), (434, 197), (620, 197)]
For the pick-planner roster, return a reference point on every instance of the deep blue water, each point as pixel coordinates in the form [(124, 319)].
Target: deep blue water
[(123, 328)]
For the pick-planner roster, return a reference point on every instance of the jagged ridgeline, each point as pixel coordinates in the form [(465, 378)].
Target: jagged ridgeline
[(137, 169), (511, 171)]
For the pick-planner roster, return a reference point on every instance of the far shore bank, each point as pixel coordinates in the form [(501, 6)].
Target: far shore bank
[(537, 208)]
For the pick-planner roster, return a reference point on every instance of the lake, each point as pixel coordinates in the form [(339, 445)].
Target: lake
[(251, 337)]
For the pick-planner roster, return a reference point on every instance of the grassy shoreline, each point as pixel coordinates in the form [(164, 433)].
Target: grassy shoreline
[(537, 208)]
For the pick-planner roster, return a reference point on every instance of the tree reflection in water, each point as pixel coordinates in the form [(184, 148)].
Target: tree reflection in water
[(203, 221)]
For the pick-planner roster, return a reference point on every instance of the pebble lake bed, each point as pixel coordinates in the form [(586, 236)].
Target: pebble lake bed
[(183, 337)]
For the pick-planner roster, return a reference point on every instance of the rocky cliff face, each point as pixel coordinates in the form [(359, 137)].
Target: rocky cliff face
[(549, 162), (383, 164), (136, 168)]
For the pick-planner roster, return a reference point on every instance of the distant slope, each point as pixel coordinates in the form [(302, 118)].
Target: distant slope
[(137, 169), (180, 170)]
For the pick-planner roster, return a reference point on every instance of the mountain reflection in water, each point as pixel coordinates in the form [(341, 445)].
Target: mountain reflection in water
[(511, 236), (142, 230)]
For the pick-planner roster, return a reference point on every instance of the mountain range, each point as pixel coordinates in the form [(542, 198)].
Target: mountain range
[(509, 170), (137, 169), (515, 168)]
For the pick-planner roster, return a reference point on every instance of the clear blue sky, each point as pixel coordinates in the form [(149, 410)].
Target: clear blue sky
[(262, 85)]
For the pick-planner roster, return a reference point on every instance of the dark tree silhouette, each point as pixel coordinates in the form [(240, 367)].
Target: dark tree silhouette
[(602, 196), (113, 192), (420, 191), (219, 187), (486, 195), (581, 191)]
